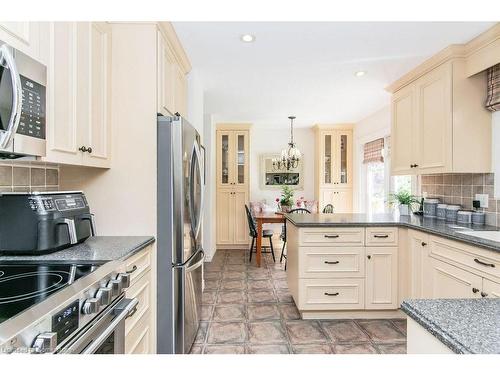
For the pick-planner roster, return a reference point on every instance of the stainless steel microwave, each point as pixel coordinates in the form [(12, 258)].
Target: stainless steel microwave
[(22, 104)]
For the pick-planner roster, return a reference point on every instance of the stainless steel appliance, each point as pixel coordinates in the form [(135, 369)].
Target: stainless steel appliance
[(37, 223), (63, 308), (22, 104), (180, 255)]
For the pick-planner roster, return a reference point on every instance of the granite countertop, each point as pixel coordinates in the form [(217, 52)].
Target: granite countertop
[(429, 225), (463, 325), (98, 249)]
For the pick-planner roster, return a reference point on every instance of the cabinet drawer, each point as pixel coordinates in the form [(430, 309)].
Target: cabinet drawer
[(137, 264), (331, 294), (142, 291), (329, 236), (137, 341), (381, 236), (323, 262), (484, 261)]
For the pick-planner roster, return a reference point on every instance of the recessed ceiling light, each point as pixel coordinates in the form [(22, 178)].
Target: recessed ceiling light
[(360, 73), (247, 38)]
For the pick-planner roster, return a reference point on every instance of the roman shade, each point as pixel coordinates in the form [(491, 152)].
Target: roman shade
[(493, 99), (373, 151)]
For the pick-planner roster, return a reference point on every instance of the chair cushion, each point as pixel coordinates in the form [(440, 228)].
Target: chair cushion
[(267, 233)]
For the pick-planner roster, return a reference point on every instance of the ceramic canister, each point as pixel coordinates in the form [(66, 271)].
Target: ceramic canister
[(441, 211), (430, 207), (451, 212), (478, 218), (464, 217)]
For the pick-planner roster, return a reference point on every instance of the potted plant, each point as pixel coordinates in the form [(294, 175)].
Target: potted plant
[(404, 200), (285, 202)]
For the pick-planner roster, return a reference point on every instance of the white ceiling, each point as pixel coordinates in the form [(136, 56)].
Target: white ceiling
[(307, 69)]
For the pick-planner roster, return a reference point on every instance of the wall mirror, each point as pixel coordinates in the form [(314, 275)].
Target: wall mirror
[(272, 179)]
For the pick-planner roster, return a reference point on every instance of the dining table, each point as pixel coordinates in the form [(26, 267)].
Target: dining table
[(265, 218)]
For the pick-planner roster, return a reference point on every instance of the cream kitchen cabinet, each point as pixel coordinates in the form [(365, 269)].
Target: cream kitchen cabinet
[(232, 185), (172, 82), (27, 37), (418, 262), (78, 94), (490, 289), (381, 278), (439, 123), (334, 167)]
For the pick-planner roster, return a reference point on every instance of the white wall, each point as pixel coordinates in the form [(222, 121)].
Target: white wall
[(265, 140), (375, 126), (209, 220), (195, 101)]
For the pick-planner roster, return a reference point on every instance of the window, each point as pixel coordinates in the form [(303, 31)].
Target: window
[(375, 188)]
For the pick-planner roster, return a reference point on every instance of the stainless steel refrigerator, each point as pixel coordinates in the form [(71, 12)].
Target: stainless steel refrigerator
[(180, 254)]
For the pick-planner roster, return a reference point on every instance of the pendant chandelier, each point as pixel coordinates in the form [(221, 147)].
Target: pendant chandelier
[(291, 156)]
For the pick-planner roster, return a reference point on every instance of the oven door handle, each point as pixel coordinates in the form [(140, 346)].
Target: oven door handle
[(17, 96), (122, 311)]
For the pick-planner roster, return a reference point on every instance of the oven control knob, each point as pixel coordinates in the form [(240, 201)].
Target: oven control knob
[(104, 295), (45, 342), (90, 306), (124, 279), (116, 287)]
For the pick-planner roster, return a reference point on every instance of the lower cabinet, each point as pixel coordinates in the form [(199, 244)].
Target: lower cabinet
[(490, 289), (381, 278), (232, 226), (340, 199), (140, 325)]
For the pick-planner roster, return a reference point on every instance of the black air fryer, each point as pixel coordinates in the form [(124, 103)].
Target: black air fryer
[(39, 223)]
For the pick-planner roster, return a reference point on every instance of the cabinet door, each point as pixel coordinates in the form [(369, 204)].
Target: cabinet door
[(165, 77), (327, 159), (62, 94), (343, 160), (241, 155), (24, 36), (404, 138), (225, 158), (225, 220), (180, 91), (434, 96), (419, 255), (240, 223), (448, 281), (381, 278), (341, 199), (96, 133), (491, 289)]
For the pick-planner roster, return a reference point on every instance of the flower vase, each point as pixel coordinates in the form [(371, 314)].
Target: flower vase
[(404, 210)]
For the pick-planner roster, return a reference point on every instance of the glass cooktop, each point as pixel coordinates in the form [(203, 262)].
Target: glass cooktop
[(24, 285)]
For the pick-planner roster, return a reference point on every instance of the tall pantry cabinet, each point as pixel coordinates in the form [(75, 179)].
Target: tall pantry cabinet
[(232, 185), (334, 167)]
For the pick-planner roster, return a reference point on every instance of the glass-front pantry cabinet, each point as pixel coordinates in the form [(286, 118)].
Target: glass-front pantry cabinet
[(334, 167), (232, 184)]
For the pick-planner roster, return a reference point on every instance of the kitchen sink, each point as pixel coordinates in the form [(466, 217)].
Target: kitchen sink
[(485, 234)]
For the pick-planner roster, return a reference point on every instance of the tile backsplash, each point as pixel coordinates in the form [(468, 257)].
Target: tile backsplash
[(28, 176), (461, 188)]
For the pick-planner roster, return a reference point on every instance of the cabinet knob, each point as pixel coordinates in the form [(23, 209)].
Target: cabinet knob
[(483, 294), (369, 256), (83, 149), (424, 243), (89, 150), (475, 290)]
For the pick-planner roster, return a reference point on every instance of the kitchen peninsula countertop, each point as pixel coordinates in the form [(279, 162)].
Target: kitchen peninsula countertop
[(429, 225), (463, 325), (98, 249)]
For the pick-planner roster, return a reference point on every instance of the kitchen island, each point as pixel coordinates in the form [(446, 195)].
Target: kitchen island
[(362, 266)]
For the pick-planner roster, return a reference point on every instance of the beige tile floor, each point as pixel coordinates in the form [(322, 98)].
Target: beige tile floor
[(249, 310)]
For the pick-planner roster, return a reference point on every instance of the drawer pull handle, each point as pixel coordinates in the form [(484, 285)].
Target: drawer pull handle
[(381, 235), (334, 262), (332, 236), (484, 263), (331, 294), (132, 313), (134, 268)]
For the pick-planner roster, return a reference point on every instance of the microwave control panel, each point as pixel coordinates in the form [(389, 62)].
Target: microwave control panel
[(32, 122)]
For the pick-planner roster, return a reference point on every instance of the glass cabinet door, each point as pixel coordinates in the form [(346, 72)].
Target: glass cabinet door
[(328, 159), (241, 157), (224, 150), (344, 146)]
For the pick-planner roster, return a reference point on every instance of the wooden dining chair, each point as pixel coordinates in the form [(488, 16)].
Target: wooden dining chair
[(266, 233), (328, 209), (283, 231)]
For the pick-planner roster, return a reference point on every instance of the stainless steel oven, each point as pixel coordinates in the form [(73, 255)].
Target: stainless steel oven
[(22, 104), (106, 333)]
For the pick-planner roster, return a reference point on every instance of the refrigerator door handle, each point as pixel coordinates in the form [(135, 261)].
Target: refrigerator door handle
[(198, 263), (186, 263), (197, 225)]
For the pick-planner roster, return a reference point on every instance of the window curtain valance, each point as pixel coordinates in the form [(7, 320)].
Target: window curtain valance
[(373, 151), (493, 99)]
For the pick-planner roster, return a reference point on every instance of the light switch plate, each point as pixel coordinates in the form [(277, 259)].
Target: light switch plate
[(483, 200)]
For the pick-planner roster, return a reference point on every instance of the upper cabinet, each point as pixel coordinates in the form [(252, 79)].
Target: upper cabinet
[(173, 66), (78, 112), (232, 156), (439, 123), (24, 36), (334, 167)]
